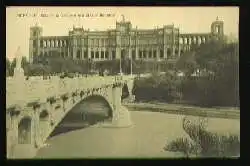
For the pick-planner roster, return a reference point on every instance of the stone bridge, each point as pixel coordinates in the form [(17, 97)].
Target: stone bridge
[(36, 106)]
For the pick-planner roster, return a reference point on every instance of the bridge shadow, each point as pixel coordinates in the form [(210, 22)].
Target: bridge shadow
[(85, 114)]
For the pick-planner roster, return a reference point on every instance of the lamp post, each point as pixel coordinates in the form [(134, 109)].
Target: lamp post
[(158, 65), (131, 66), (120, 65)]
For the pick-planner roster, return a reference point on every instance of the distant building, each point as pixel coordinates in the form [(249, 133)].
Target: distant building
[(122, 42)]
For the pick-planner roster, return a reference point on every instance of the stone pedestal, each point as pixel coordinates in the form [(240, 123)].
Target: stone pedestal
[(19, 74), (19, 86), (131, 98), (121, 115)]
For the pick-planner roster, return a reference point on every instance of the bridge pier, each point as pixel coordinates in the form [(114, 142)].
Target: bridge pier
[(22, 136), (121, 115), (12, 135), (130, 84), (37, 140)]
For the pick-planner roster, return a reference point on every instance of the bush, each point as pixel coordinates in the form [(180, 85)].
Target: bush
[(165, 88), (206, 144), (180, 145)]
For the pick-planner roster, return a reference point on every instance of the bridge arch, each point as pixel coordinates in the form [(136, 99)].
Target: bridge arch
[(85, 113), (24, 130), (101, 98)]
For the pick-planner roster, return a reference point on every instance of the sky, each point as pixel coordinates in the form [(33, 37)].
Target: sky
[(188, 19)]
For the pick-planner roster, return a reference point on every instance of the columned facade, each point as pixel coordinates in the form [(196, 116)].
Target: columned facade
[(144, 44)]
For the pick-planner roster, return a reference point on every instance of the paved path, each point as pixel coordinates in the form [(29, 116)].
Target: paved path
[(186, 110)]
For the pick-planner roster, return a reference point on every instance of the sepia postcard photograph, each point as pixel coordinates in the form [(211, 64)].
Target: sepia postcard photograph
[(122, 82)]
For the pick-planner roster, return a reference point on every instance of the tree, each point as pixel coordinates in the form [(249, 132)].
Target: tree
[(158, 87), (187, 63), (219, 61), (39, 70), (216, 85)]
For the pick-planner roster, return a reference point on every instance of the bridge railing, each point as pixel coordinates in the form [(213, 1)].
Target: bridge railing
[(38, 89)]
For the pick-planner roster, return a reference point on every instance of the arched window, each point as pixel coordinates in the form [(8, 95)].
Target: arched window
[(78, 54), (34, 43), (144, 54), (168, 51), (24, 131), (150, 54), (97, 54), (185, 41), (52, 43), (44, 44), (122, 54), (113, 54), (217, 29), (161, 54), (199, 40), (155, 53), (106, 54), (48, 43), (204, 39), (194, 40), (133, 54), (181, 41), (189, 40), (41, 43), (102, 54), (176, 51), (140, 54), (92, 54)]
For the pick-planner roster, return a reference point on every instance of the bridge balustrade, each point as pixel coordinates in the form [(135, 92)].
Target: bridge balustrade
[(38, 89)]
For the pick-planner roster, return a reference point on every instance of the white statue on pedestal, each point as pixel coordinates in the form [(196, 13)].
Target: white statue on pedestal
[(19, 79), (18, 71), (18, 59)]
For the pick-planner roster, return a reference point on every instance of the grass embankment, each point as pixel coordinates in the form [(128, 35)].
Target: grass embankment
[(230, 113)]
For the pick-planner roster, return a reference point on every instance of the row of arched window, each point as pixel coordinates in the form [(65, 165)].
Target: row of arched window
[(53, 43), (193, 40)]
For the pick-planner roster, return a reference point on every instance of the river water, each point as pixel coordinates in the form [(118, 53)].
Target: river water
[(78, 138)]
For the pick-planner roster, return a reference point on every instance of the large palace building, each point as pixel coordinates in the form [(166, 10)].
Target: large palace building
[(122, 42)]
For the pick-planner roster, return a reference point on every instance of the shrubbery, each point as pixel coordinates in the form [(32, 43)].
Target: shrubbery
[(216, 83), (204, 143), (162, 88)]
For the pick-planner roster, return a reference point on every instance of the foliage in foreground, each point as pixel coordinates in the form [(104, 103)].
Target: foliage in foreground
[(204, 143)]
